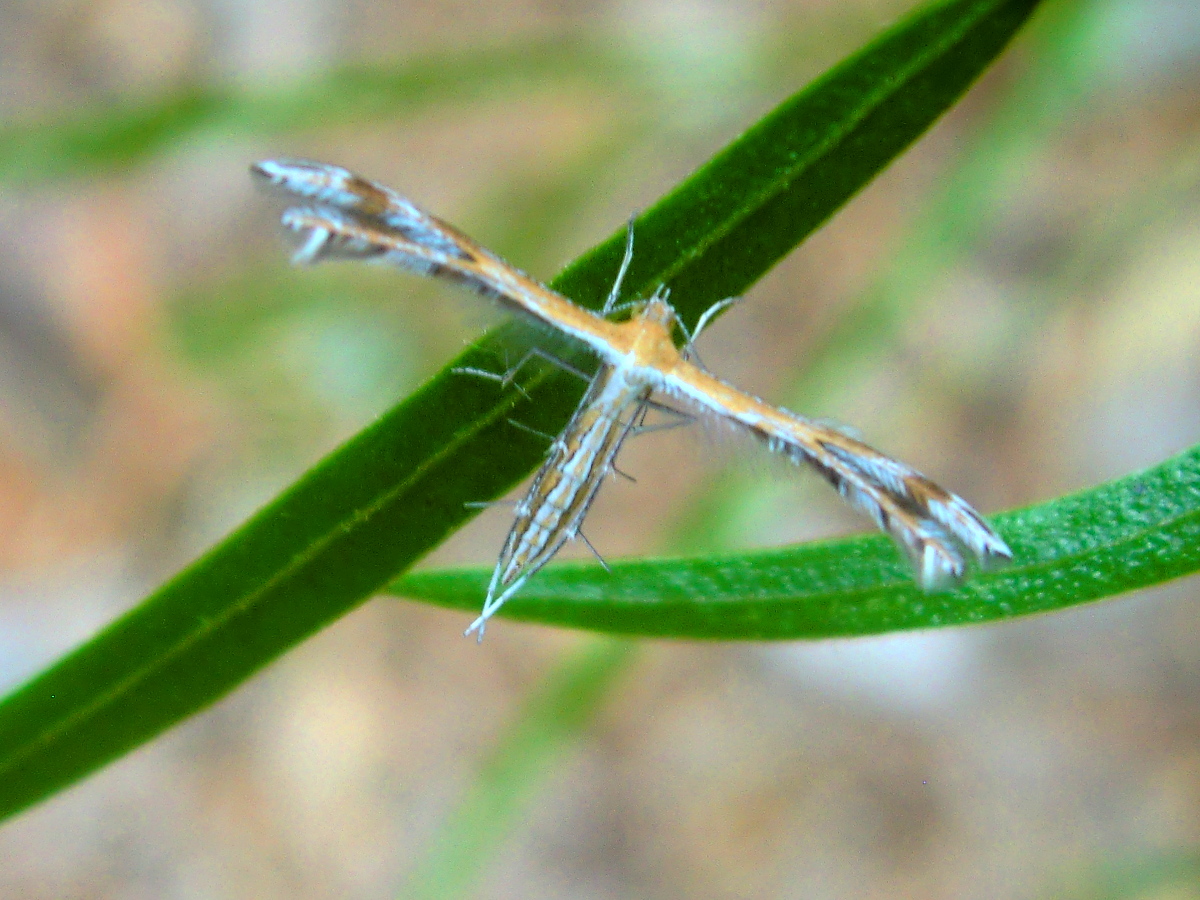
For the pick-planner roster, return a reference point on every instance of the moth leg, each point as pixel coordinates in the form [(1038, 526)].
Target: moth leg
[(489, 608), (680, 418), (624, 475), (689, 337), (504, 379), (610, 304), (549, 438), (508, 377), (595, 552)]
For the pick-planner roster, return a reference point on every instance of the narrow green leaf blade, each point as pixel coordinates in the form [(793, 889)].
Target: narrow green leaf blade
[(388, 496), (1137, 531), (719, 231)]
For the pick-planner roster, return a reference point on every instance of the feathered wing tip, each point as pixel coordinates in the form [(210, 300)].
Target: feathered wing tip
[(510, 573), (329, 234), (316, 239), (937, 530), (491, 603), (355, 203), (332, 187)]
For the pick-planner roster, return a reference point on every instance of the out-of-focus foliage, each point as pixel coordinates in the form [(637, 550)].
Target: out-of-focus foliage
[(207, 629)]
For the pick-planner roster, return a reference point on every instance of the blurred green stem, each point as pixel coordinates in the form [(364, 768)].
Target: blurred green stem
[(527, 754)]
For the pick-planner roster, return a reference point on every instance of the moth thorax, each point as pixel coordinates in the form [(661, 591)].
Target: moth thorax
[(658, 311)]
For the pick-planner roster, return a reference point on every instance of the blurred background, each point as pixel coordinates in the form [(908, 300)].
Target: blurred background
[(1013, 307)]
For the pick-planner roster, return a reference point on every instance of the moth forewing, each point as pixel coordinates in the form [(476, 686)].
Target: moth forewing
[(335, 188), (353, 218), (350, 217), (558, 500), (931, 525)]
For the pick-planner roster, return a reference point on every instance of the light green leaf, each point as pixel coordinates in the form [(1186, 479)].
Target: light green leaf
[(384, 499)]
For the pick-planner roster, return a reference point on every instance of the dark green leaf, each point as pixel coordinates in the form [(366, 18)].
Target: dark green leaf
[(388, 496)]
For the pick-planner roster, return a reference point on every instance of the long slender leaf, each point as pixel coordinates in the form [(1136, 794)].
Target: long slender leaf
[(1130, 533), (389, 495)]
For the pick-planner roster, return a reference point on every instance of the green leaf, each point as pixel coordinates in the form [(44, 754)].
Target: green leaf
[(392, 493), (508, 779), (1127, 534)]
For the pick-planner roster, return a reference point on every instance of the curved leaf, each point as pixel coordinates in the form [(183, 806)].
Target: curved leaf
[(1130, 533), (389, 495)]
